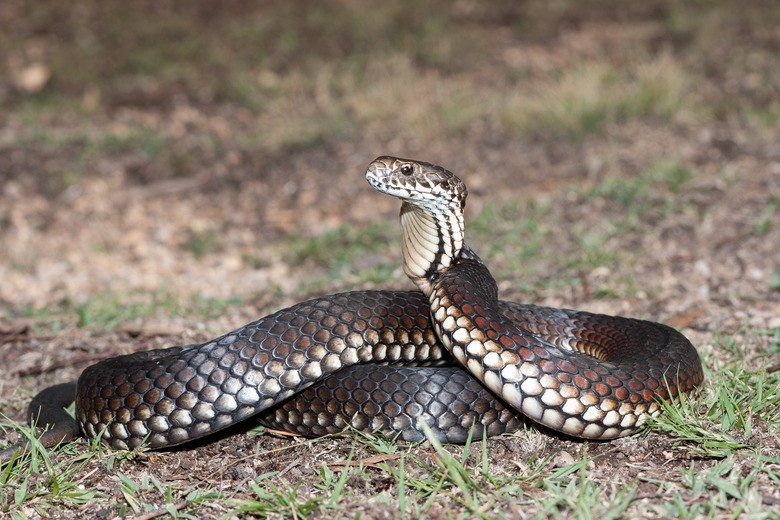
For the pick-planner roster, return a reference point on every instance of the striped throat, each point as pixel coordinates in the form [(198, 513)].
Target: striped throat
[(432, 222)]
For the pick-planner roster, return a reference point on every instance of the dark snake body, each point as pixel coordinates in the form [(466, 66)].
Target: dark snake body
[(171, 396), (340, 360)]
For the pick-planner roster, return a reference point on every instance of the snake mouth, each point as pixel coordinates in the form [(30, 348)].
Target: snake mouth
[(392, 189), (374, 176), (374, 182)]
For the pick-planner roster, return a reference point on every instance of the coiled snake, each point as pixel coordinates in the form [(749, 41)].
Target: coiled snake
[(586, 375)]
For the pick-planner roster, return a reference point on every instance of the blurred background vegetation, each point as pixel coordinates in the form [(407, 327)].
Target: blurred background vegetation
[(248, 122), (298, 74)]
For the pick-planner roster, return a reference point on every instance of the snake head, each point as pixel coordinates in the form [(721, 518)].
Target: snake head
[(427, 186), (432, 224)]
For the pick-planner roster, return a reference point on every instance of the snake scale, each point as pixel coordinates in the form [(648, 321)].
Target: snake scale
[(350, 359)]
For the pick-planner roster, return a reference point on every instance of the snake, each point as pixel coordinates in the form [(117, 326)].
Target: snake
[(450, 359)]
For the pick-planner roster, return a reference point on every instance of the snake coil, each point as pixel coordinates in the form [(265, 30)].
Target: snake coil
[(348, 359)]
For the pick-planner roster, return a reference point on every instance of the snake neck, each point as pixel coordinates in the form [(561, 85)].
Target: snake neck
[(433, 241)]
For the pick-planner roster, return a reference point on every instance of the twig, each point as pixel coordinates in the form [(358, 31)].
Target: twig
[(586, 294), (34, 371), (181, 504), (22, 333)]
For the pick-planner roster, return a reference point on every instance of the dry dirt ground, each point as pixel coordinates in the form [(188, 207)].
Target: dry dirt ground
[(147, 229)]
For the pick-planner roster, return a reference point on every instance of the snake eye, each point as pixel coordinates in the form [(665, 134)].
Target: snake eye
[(406, 169)]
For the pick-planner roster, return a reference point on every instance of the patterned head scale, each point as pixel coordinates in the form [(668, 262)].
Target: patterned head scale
[(427, 186)]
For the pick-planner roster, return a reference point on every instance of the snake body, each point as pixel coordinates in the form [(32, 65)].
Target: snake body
[(170, 396), (343, 359), (590, 376)]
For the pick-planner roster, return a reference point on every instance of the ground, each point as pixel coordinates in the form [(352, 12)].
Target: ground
[(173, 171)]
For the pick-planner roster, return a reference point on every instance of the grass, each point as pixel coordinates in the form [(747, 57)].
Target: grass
[(86, 144), (152, 497), (272, 499), (764, 224), (321, 76), (110, 310), (513, 237), (733, 425), (582, 100), (645, 198), (346, 255), (304, 89), (204, 242), (33, 482), (774, 282), (337, 84), (720, 439), (517, 238)]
